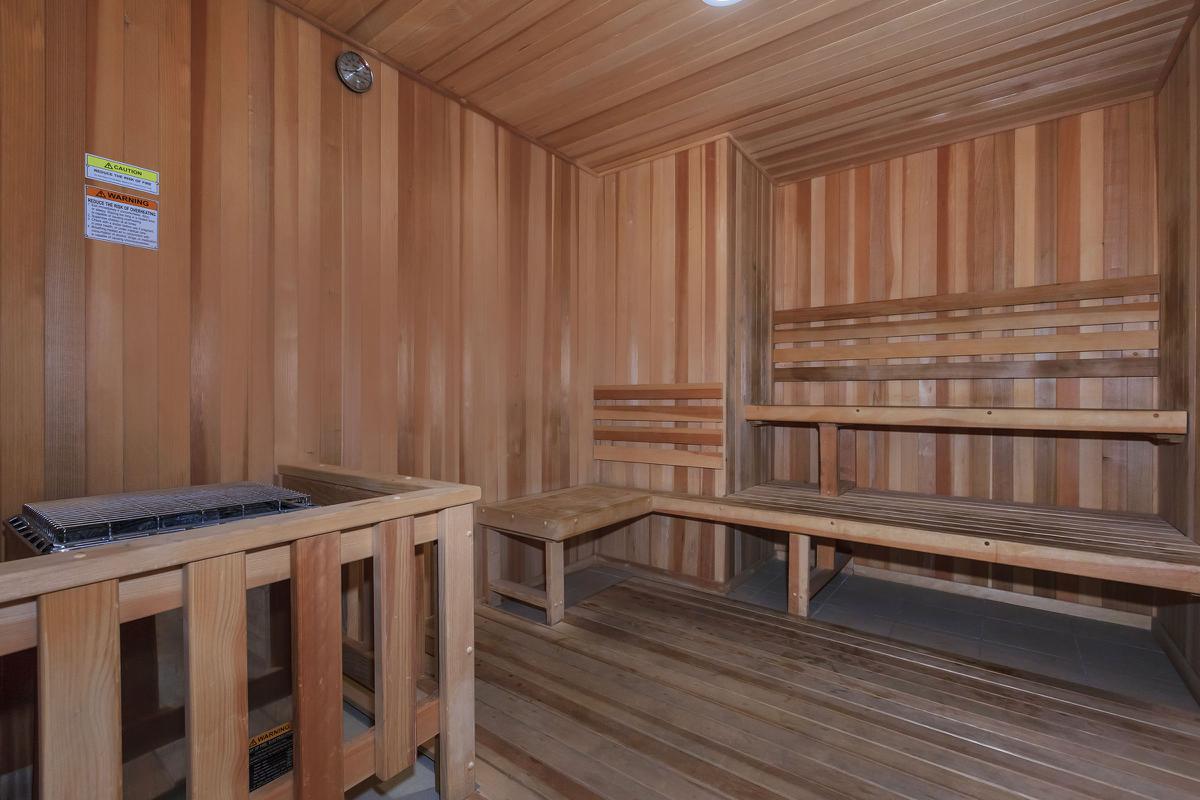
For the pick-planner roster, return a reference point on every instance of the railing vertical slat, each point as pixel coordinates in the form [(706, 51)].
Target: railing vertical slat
[(456, 649), (214, 607), (317, 665), (79, 693), (397, 615)]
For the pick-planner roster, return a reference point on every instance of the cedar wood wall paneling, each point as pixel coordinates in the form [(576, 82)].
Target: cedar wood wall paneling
[(383, 281), (1179, 209), (672, 237), (95, 338), (426, 286), (659, 317), (1066, 200)]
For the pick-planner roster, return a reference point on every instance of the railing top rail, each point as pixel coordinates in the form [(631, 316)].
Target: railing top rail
[(377, 482), (24, 579)]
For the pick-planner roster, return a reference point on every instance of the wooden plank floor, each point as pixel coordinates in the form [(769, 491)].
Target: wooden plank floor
[(653, 691)]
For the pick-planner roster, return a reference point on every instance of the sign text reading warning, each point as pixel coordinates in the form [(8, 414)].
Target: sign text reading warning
[(120, 218)]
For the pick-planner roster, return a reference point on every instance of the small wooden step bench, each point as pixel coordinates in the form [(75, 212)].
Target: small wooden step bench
[(551, 518), (1134, 548)]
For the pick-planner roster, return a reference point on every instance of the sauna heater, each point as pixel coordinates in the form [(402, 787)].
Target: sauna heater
[(57, 525)]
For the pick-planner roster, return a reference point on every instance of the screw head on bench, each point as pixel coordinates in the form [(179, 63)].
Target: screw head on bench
[(470, 649)]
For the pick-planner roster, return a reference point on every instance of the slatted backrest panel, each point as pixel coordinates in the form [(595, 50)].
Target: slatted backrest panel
[(969, 324), (642, 418)]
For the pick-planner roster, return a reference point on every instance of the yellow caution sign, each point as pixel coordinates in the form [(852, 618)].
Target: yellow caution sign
[(118, 173)]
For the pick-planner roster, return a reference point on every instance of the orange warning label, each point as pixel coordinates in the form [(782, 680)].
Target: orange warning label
[(120, 218), (121, 197)]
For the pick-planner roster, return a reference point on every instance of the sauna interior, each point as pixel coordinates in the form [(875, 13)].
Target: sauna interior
[(599, 399)]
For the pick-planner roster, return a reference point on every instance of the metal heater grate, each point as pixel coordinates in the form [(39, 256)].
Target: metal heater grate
[(82, 522)]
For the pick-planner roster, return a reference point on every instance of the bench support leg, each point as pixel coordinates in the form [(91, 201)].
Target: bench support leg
[(826, 555), (555, 591), (798, 574), (491, 563), (828, 454)]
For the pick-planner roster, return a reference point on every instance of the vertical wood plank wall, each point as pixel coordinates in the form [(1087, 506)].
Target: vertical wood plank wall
[(1067, 200), (659, 317), (425, 285), (1179, 209), (384, 281), (667, 254)]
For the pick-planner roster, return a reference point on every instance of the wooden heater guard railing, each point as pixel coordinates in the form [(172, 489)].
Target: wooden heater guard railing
[(70, 606)]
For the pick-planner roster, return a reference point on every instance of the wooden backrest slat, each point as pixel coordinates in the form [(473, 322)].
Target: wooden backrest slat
[(1135, 286), (658, 434), (659, 413), (1057, 343), (975, 323), (396, 640), (317, 666), (214, 608), (1131, 367), (659, 391), (79, 693), (661, 456)]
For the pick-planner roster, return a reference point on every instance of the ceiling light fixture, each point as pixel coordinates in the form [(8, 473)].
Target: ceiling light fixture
[(719, 3)]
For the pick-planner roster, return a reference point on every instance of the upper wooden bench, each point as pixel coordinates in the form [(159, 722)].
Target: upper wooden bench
[(1076, 420), (1134, 548), (1165, 425)]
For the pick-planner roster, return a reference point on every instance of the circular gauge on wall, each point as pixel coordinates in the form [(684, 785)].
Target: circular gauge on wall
[(354, 71)]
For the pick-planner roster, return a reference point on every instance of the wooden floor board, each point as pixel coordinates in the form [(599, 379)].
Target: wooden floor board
[(881, 718), (1053, 737), (1166, 721), (658, 691), (597, 763), (776, 756)]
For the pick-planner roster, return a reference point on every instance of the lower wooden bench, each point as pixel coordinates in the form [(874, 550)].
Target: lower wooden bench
[(1133, 548)]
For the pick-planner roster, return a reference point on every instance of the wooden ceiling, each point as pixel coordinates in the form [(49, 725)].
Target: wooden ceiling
[(804, 86)]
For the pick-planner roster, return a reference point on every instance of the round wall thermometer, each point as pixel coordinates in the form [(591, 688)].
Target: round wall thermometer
[(354, 71)]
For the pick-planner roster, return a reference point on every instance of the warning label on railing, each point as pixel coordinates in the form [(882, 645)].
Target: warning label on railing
[(120, 218), (270, 755)]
